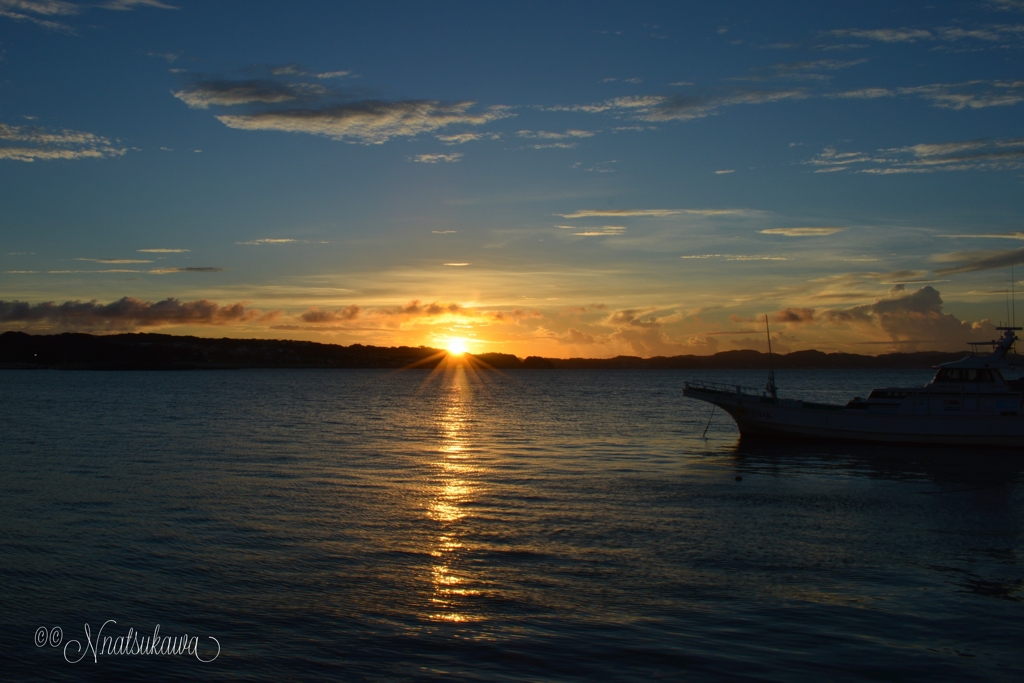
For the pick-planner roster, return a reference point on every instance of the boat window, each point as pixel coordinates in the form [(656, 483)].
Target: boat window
[(886, 393), (963, 375)]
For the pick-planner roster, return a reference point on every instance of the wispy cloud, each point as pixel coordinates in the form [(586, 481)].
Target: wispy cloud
[(270, 240), (91, 272), (620, 213), (1007, 5), (113, 260), (462, 138), (458, 265), (334, 74), (970, 94), (552, 145), (547, 135), (290, 99), (599, 167), (815, 70), (596, 232), (132, 4), (279, 241), (436, 158), (162, 251), (39, 12), (802, 232), (368, 121), (968, 262), (978, 94), (192, 269), (993, 235), (255, 91), (657, 108), (883, 35), (976, 155), (659, 213), (736, 257), (29, 143), (169, 57), (45, 12), (863, 94), (992, 34)]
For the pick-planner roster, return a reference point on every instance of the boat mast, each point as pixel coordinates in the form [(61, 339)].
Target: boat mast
[(771, 389)]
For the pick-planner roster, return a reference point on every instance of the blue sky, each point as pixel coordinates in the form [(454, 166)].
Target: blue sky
[(562, 179)]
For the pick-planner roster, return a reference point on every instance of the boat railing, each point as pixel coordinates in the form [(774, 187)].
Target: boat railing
[(721, 388)]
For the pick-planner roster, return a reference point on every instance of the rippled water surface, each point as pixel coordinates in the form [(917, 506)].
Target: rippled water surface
[(521, 526)]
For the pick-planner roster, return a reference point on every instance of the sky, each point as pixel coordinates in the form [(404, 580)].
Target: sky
[(560, 179)]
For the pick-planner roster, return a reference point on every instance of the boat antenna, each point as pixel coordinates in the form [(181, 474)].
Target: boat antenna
[(1013, 306), (771, 388), (1007, 294)]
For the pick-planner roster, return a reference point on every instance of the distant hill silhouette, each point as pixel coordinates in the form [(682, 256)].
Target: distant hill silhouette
[(169, 352)]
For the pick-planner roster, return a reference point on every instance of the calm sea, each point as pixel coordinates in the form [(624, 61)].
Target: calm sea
[(521, 526)]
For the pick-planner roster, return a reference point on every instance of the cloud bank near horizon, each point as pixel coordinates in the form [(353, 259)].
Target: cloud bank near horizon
[(128, 313)]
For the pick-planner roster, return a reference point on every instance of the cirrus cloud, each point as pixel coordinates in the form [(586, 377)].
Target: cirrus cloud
[(370, 122), (436, 158), (970, 155), (279, 241), (189, 269), (802, 232), (234, 93), (113, 260), (31, 143), (620, 213), (45, 12), (658, 108), (969, 262)]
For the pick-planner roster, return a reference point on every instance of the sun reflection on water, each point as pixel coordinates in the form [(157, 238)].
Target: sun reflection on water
[(457, 480)]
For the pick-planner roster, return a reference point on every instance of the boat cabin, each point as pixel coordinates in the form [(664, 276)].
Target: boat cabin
[(973, 384)]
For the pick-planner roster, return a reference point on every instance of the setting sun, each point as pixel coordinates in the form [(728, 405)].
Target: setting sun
[(456, 346)]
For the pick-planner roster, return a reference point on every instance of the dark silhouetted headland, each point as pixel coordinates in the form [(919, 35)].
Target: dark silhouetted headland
[(169, 352)]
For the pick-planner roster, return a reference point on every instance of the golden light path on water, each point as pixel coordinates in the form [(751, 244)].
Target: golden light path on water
[(458, 481)]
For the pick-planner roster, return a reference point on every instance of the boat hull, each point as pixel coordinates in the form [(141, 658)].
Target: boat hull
[(765, 416)]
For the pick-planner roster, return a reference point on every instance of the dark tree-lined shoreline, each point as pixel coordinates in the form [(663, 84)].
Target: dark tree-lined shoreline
[(77, 351)]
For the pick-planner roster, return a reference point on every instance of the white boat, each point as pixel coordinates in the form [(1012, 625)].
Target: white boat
[(968, 403)]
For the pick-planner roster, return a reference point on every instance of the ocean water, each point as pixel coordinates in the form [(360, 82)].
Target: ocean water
[(485, 526)]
